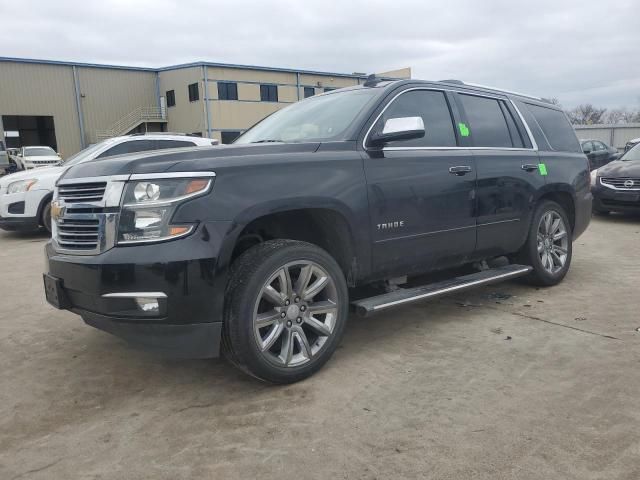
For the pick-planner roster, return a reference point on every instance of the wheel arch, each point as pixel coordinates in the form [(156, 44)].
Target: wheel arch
[(564, 196), (46, 199)]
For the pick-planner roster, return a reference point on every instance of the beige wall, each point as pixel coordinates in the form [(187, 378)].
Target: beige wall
[(186, 116), (36, 89), (109, 94)]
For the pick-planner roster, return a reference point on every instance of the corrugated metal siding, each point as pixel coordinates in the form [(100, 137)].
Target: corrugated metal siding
[(616, 135), (109, 95), (186, 116), (32, 89)]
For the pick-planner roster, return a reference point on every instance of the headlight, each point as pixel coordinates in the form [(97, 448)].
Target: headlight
[(594, 177), (21, 186), (148, 207)]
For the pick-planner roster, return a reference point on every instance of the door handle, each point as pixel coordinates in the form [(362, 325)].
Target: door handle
[(460, 170), (530, 167)]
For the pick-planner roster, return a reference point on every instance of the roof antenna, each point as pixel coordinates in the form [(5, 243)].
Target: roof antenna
[(372, 80)]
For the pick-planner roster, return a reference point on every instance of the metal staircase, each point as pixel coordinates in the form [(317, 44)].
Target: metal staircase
[(130, 121)]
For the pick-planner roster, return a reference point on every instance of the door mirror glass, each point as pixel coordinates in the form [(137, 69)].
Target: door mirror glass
[(404, 128)]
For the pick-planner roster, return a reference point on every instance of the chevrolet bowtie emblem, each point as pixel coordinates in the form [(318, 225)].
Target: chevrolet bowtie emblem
[(57, 211)]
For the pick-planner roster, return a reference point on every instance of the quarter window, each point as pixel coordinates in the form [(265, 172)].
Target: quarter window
[(227, 91), (171, 98), (432, 106), (269, 93), (556, 128), (194, 93), (487, 122)]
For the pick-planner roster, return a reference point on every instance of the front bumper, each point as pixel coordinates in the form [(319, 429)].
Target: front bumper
[(187, 322), (608, 199), (21, 211), (19, 224)]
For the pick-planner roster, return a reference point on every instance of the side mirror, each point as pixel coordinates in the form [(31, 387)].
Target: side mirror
[(404, 128)]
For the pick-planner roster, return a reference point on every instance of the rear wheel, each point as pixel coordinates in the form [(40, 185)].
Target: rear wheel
[(548, 248), (287, 305)]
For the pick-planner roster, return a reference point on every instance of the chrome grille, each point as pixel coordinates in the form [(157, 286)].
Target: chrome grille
[(82, 192), (78, 233), (621, 183)]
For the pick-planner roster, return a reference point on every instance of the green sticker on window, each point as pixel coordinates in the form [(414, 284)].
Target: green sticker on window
[(542, 168), (464, 130)]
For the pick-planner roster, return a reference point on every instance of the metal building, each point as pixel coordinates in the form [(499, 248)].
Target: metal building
[(69, 106), (616, 135)]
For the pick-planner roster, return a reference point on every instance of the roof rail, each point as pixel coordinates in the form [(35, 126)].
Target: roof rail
[(460, 82), (142, 134)]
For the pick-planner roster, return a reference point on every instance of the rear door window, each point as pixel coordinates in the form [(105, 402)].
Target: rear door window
[(162, 144), (599, 146), (487, 123), (432, 106), (556, 128)]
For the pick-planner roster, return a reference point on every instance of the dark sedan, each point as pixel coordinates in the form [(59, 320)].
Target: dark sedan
[(616, 186), (598, 153)]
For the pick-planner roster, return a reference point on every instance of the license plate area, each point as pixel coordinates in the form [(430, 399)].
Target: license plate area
[(54, 292)]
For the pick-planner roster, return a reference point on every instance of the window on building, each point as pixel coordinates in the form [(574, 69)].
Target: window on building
[(487, 123), (171, 98), (309, 92), (229, 136), (432, 106), (227, 91), (329, 89), (269, 93), (194, 93)]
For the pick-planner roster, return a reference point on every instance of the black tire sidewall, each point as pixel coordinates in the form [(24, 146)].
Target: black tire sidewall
[(540, 276), (255, 268), (46, 217)]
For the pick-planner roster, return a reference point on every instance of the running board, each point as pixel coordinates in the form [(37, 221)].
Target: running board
[(370, 305)]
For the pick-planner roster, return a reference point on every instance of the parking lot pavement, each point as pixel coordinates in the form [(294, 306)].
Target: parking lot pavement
[(504, 382)]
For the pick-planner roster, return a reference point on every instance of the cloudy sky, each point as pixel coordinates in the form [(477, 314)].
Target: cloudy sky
[(577, 51)]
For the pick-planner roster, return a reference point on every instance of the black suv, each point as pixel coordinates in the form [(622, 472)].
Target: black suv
[(255, 248)]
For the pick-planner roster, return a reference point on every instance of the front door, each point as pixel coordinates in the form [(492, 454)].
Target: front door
[(421, 192)]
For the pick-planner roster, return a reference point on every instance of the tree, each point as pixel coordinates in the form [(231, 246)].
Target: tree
[(586, 114), (622, 115)]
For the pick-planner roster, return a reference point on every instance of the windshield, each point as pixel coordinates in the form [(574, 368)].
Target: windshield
[(632, 155), (83, 154), (325, 117), (38, 151)]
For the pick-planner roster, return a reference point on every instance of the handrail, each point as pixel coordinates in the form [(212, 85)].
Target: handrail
[(131, 120)]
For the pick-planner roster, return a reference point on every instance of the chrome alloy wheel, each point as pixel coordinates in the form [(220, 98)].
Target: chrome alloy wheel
[(553, 242), (295, 313)]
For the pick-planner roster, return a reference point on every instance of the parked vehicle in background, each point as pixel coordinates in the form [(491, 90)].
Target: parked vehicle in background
[(598, 153), (631, 143), (251, 247), (616, 186), (25, 196), (37, 156), (4, 159)]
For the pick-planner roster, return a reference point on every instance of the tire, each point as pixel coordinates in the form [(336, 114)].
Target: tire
[(45, 218), (559, 251), (256, 291)]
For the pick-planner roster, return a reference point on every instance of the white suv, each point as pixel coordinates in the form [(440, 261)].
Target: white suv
[(25, 197)]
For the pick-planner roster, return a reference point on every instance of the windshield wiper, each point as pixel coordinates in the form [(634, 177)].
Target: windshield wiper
[(268, 141)]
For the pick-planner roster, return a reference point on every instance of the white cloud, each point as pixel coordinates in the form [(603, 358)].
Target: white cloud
[(576, 51)]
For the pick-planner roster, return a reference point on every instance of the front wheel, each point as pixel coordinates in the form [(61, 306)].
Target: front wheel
[(46, 217), (285, 312), (548, 248)]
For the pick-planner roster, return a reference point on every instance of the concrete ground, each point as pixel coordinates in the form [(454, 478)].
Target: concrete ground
[(505, 382)]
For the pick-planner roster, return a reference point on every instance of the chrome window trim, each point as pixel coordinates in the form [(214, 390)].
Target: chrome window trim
[(135, 295), (435, 89)]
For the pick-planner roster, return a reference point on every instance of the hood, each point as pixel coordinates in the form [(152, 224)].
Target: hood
[(40, 174), (186, 159), (620, 168)]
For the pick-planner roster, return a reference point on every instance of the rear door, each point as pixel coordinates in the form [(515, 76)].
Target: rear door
[(421, 191), (508, 173)]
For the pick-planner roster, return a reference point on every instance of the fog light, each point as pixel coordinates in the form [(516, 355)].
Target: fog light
[(148, 304)]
